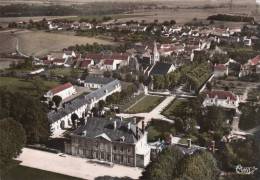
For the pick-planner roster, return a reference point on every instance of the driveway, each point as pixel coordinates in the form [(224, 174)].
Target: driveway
[(73, 166)]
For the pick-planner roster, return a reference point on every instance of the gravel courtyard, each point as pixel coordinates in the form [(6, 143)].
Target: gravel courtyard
[(73, 166)]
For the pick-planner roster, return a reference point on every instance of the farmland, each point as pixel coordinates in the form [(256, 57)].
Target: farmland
[(39, 43)]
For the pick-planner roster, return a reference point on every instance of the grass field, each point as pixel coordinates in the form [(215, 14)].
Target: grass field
[(27, 86), (40, 43), (27, 173), (146, 104)]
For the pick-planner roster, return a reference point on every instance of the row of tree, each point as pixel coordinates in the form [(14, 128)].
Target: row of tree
[(193, 75)]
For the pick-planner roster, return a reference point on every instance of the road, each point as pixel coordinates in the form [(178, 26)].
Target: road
[(73, 166), (154, 114)]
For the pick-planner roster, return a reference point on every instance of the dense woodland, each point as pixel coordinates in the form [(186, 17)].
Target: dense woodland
[(234, 18)]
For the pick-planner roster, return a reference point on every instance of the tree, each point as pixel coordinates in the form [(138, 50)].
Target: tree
[(38, 85), (107, 74), (201, 165), (101, 105), (27, 110), (128, 77), (74, 118), (214, 118), (13, 139), (173, 164), (57, 100), (165, 167), (208, 86), (84, 74)]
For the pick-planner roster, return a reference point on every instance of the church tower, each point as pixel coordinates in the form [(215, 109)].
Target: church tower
[(156, 55)]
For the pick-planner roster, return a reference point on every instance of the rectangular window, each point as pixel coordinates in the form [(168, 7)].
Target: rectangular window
[(102, 155), (108, 157), (121, 159)]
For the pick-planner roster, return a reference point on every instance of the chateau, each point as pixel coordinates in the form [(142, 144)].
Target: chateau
[(112, 141)]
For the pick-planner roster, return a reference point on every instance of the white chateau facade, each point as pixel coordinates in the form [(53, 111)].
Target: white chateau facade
[(223, 99)]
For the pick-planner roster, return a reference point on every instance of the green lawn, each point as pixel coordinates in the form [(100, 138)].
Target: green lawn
[(172, 109), (27, 86), (27, 173), (147, 104), (129, 102)]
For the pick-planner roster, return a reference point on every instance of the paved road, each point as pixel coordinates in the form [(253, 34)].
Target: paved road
[(73, 166), (154, 114)]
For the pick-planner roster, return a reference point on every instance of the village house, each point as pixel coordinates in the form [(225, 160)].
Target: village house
[(109, 62), (64, 91), (95, 82), (80, 106), (251, 67), (220, 70), (115, 141), (61, 55), (84, 63), (223, 99)]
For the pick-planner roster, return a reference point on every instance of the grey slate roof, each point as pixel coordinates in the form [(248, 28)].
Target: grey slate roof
[(80, 101), (160, 68), (98, 126), (98, 80)]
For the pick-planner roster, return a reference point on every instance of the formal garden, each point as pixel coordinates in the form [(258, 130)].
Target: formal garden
[(146, 104)]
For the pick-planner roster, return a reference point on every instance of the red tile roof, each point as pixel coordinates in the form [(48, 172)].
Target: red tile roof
[(58, 61), (60, 88), (220, 67), (255, 60), (108, 61), (221, 95), (85, 63)]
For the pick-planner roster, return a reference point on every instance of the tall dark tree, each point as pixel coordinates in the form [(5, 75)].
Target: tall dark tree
[(57, 100), (13, 139)]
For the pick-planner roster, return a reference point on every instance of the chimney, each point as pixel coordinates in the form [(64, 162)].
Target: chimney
[(84, 132), (189, 143), (114, 124), (143, 126), (129, 126), (85, 120), (136, 131), (213, 146), (134, 120)]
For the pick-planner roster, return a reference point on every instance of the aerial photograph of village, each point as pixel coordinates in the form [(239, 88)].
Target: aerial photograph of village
[(129, 89)]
